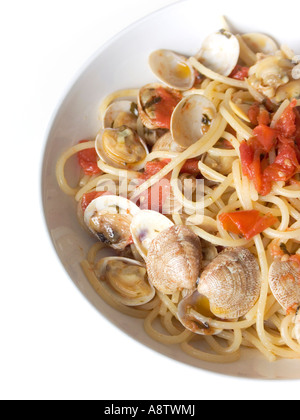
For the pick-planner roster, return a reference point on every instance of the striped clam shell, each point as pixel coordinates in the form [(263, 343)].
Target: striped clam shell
[(231, 283)]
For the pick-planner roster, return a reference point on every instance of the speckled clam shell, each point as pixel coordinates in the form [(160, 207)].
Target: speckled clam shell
[(232, 283), (174, 260), (284, 280)]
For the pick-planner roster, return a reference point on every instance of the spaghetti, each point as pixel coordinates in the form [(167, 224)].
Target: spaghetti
[(247, 155)]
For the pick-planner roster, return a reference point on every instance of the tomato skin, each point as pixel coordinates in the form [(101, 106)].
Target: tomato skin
[(87, 159), (240, 72), (164, 109), (248, 223)]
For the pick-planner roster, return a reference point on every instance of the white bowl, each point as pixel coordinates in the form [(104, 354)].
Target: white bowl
[(122, 63)]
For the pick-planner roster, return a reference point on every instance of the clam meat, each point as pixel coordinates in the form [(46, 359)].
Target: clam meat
[(121, 148), (121, 113), (125, 280), (109, 218)]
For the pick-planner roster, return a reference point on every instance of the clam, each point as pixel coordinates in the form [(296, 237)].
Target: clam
[(167, 144), (191, 119), (174, 260), (121, 113), (269, 73), (260, 43), (125, 280), (109, 217), (231, 283), (172, 69), (156, 104), (289, 91), (220, 52), (121, 148), (284, 280), (145, 226), (194, 314)]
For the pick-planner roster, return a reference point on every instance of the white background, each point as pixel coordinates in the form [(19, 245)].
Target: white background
[(53, 344)]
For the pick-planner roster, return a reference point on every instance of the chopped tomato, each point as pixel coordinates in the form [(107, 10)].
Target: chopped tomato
[(285, 166), (264, 117), (152, 168), (248, 223), (89, 197), (253, 113), (240, 72), (191, 167), (286, 125), (258, 115), (165, 107), (266, 137), (297, 122), (87, 159)]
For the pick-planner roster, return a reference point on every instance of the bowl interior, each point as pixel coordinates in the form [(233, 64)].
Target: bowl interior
[(122, 63)]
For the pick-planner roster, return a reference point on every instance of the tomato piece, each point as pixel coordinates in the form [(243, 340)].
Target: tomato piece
[(191, 167), (253, 113), (88, 159), (286, 164), (286, 124), (248, 223), (266, 137), (152, 168), (264, 117), (165, 107), (90, 196), (240, 72)]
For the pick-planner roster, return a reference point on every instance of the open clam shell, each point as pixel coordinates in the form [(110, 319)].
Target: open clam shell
[(220, 52), (121, 113), (194, 313), (109, 218), (125, 280), (156, 104), (121, 148), (145, 226), (191, 119), (231, 283), (172, 69), (260, 43), (174, 260)]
